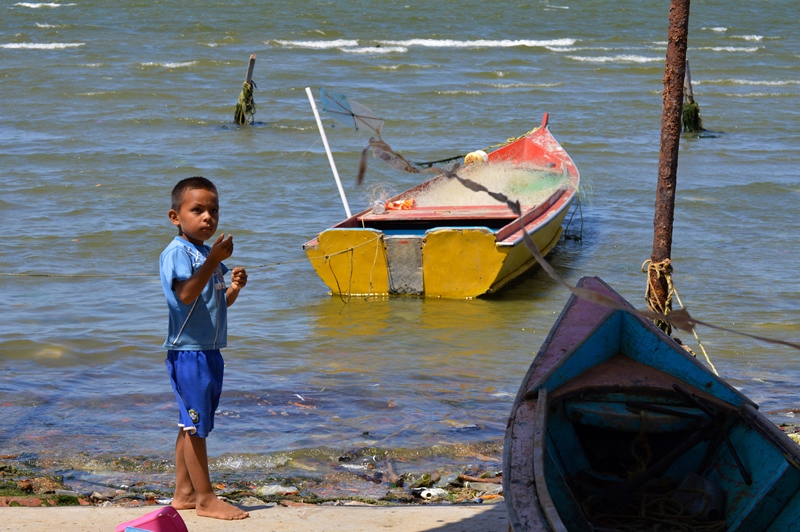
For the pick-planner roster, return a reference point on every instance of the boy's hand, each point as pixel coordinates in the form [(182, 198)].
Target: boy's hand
[(238, 278), (222, 248)]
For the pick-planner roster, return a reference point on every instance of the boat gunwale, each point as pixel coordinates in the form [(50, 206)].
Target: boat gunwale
[(531, 390), (532, 218)]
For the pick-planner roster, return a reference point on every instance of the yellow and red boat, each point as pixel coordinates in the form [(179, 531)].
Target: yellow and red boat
[(438, 246)]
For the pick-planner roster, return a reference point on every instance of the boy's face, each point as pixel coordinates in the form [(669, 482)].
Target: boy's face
[(198, 216)]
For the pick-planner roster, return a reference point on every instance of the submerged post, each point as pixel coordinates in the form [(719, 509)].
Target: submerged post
[(692, 122), (659, 297), (246, 106)]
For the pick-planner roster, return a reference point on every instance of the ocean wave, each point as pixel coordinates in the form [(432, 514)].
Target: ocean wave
[(729, 48), (556, 7), (409, 65), (748, 37), (170, 65), (41, 45), (761, 95), (41, 4), (522, 85), (582, 48), (481, 43), (39, 25), (626, 58), (376, 50), (718, 29), (777, 83), (452, 93), (338, 43)]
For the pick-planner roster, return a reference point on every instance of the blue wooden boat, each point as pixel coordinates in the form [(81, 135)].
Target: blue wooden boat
[(617, 427)]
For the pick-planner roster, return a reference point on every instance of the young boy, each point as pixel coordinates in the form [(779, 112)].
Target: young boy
[(192, 278)]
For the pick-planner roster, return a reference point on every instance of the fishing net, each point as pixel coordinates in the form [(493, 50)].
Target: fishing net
[(350, 113), (377, 195), (527, 184)]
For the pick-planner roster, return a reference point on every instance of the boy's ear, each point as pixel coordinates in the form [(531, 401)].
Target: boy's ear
[(173, 217)]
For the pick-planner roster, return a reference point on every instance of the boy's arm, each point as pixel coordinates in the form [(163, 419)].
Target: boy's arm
[(190, 289), (238, 281)]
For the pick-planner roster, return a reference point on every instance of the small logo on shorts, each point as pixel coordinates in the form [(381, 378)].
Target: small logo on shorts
[(194, 416)]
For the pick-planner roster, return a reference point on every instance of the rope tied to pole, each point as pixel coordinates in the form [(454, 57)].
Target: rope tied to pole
[(663, 270)]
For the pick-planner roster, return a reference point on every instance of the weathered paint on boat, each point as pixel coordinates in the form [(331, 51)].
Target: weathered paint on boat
[(446, 251), (604, 378)]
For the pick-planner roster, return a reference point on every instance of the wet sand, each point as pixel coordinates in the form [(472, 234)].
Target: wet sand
[(451, 518)]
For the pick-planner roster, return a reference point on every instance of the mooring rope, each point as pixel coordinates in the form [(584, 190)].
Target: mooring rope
[(664, 269)]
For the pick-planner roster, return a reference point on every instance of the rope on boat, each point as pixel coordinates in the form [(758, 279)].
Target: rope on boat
[(578, 208), (664, 269), (664, 513), (112, 276), (351, 250)]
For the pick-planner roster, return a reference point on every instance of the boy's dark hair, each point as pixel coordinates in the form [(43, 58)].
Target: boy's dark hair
[(190, 183)]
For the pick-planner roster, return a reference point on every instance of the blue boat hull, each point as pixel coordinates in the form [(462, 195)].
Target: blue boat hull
[(617, 427)]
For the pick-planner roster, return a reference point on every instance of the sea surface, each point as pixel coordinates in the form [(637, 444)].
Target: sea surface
[(104, 106)]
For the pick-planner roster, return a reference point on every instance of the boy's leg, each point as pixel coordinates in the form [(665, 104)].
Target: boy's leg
[(207, 504), (185, 496)]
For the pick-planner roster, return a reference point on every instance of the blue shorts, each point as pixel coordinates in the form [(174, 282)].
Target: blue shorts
[(196, 378)]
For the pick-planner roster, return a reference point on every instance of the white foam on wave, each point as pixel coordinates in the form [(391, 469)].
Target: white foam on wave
[(41, 45), (480, 43), (409, 65), (580, 48), (41, 4), (523, 85), (170, 65), (730, 48), (718, 29), (39, 25), (777, 83), (337, 43), (556, 7), (748, 37), (458, 92), (624, 58), (760, 95), (375, 50)]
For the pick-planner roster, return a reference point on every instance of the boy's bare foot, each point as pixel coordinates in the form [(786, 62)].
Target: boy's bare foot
[(221, 510)]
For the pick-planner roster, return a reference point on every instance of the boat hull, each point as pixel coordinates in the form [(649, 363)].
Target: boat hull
[(614, 416), (446, 251)]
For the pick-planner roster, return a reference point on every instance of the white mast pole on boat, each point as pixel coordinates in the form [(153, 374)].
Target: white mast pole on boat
[(328, 151)]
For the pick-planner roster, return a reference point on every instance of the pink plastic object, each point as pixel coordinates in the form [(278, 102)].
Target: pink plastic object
[(166, 519)]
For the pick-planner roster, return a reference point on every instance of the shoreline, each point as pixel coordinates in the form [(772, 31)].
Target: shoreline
[(305, 518)]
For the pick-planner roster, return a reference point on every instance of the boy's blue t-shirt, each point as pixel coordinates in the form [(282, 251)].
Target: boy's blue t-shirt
[(202, 324)]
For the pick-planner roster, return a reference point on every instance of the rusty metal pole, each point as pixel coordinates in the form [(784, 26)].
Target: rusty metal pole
[(675, 69)]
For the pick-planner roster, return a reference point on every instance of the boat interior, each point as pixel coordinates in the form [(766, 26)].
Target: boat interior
[(626, 446), (421, 219)]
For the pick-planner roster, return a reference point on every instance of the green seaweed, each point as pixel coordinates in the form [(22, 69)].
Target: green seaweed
[(692, 123)]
